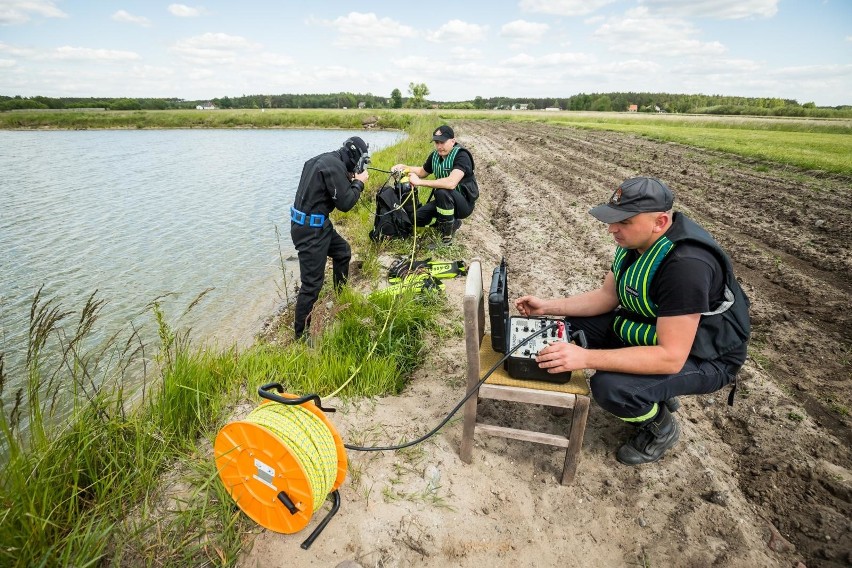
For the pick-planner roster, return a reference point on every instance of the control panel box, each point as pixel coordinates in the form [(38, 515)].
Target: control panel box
[(521, 364)]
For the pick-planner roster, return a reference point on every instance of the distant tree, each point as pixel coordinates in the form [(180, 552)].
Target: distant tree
[(19, 103), (418, 92), (224, 102), (479, 102), (154, 104), (602, 103), (125, 104), (396, 99), (809, 105)]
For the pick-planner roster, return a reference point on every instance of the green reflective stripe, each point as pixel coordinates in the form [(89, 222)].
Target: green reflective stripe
[(637, 278), (620, 253), (442, 168), (644, 417), (449, 212), (660, 249), (634, 333)]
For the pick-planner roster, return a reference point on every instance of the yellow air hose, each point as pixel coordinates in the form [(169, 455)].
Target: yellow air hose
[(308, 438), (280, 463)]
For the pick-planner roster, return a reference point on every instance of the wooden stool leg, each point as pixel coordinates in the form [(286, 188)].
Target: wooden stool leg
[(468, 427), (575, 440)]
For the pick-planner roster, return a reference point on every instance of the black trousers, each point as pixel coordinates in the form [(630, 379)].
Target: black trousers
[(630, 396), (315, 245), (444, 200)]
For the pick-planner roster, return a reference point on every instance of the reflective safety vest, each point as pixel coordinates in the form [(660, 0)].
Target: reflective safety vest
[(720, 331), (633, 286), (442, 168)]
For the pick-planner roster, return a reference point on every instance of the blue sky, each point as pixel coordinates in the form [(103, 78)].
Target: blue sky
[(792, 49)]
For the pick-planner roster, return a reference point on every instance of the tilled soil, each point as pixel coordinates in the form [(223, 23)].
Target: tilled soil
[(767, 482)]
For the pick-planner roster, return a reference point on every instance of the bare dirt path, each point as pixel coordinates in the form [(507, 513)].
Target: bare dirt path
[(767, 482)]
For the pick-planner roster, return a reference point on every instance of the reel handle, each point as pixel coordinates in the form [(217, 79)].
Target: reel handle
[(265, 391)]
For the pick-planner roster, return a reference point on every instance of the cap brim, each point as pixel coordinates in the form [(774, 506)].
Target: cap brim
[(440, 138), (607, 214)]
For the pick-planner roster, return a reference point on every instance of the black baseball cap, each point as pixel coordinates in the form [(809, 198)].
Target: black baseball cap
[(443, 133), (634, 196)]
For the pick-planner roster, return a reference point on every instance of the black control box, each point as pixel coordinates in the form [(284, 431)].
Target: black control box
[(521, 364)]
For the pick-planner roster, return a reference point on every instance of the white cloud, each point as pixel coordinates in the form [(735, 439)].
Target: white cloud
[(638, 32), (357, 29), (549, 60), (20, 11), (715, 66), (6, 63), (16, 51), (457, 31), (564, 7), (123, 16), (267, 61), (522, 31), (719, 9), (214, 48), (463, 53), (87, 54), (184, 11)]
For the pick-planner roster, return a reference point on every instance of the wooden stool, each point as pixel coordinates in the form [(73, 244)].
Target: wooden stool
[(500, 386)]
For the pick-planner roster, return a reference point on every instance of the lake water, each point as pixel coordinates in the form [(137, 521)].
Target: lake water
[(139, 214)]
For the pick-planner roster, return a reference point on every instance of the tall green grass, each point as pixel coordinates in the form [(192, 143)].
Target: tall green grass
[(254, 118), (82, 447)]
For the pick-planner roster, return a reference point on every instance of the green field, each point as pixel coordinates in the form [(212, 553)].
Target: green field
[(810, 144)]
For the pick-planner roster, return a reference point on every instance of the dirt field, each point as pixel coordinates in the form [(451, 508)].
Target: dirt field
[(767, 482)]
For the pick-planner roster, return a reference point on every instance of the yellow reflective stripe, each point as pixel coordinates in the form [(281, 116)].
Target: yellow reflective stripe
[(644, 417), (445, 211)]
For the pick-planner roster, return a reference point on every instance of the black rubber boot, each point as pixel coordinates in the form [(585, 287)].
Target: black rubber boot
[(672, 404), (447, 230), (651, 441)]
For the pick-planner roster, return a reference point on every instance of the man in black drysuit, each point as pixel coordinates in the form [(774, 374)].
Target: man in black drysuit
[(670, 318), (330, 180)]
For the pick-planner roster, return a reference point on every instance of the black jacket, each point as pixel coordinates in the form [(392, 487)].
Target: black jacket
[(722, 332), (325, 185)]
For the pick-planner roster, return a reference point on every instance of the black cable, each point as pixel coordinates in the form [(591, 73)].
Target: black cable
[(383, 171), (458, 406)]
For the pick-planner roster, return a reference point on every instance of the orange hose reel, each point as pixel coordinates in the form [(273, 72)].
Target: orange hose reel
[(277, 462)]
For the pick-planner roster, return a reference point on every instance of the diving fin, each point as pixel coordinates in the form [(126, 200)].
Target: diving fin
[(446, 269), (441, 269), (405, 266), (417, 282)]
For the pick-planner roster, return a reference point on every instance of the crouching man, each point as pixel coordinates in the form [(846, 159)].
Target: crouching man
[(670, 318)]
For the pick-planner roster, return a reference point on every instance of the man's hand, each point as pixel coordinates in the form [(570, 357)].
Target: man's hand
[(562, 357), (530, 306), (414, 179), (362, 177)]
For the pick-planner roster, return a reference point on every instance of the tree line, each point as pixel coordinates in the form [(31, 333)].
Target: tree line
[(417, 93)]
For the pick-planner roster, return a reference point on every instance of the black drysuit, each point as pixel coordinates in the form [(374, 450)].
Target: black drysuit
[(324, 186)]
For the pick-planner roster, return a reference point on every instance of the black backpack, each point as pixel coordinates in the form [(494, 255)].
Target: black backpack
[(394, 212)]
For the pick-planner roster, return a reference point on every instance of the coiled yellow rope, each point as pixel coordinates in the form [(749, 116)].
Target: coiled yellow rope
[(308, 438)]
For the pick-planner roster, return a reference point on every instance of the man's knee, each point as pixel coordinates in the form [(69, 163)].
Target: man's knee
[(608, 392)]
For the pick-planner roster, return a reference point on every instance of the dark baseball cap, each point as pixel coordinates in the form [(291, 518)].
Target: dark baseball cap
[(634, 196), (443, 133)]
